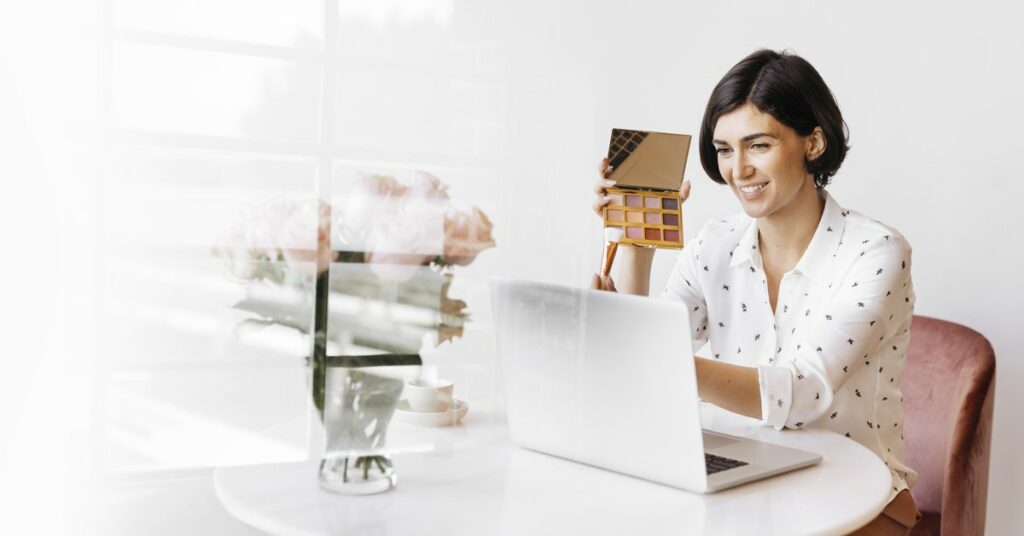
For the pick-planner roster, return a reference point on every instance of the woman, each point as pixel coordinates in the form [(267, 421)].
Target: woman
[(806, 305)]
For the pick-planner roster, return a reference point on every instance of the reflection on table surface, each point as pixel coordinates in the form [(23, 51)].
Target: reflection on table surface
[(470, 479)]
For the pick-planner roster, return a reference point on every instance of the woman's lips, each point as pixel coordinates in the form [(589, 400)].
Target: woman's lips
[(752, 191)]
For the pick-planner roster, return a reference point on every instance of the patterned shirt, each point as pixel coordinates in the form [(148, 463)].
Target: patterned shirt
[(832, 352)]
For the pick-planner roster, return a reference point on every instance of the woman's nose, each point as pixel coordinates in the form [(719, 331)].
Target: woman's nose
[(741, 168)]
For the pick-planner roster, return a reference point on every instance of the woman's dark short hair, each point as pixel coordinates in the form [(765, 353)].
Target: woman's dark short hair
[(791, 90)]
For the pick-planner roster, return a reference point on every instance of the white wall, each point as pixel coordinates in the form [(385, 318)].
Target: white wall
[(511, 103)]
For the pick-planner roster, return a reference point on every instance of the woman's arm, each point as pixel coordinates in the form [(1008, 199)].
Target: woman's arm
[(874, 300), (633, 262), (731, 387), (634, 275)]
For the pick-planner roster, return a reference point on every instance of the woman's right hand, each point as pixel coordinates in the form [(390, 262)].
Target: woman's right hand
[(635, 265), (604, 170)]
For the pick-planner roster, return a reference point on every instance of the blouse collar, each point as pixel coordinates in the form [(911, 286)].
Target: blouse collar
[(819, 253)]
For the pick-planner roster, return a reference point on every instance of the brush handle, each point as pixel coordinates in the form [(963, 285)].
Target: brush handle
[(609, 257)]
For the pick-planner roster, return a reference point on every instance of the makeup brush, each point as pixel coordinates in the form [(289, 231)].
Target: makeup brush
[(612, 235)]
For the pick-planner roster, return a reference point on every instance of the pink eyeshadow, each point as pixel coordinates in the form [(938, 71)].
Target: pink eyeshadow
[(671, 236), (634, 233), (652, 234), (672, 219), (652, 202), (615, 215), (634, 217), (633, 201), (652, 218)]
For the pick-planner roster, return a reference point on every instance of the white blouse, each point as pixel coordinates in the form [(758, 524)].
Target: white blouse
[(832, 352)]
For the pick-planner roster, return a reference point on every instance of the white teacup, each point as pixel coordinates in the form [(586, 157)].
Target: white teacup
[(429, 395)]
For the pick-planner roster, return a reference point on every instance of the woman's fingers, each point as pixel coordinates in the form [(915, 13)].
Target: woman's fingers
[(602, 185), (605, 168), (601, 188), (684, 192), (603, 282)]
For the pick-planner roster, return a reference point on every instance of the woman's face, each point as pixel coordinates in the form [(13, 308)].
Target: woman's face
[(762, 160)]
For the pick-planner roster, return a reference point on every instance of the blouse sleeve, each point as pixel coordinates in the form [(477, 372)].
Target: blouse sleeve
[(867, 307), (684, 286)]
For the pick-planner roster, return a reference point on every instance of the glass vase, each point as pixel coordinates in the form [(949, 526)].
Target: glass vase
[(360, 395)]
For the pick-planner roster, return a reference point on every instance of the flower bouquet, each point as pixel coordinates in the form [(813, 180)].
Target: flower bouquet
[(381, 264)]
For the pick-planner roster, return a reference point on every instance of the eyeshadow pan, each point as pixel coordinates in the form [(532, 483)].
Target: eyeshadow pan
[(646, 217)]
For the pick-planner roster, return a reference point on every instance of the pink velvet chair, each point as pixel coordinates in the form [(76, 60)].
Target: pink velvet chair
[(948, 386)]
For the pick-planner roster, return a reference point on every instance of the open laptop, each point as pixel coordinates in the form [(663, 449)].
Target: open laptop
[(608, 380)]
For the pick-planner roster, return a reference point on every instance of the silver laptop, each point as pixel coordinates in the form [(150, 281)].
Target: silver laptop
[(608, 380)]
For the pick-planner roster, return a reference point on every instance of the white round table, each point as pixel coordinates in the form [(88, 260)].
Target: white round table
[(472, 480)]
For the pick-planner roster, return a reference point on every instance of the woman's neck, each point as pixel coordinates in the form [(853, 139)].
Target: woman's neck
[(783, 236)]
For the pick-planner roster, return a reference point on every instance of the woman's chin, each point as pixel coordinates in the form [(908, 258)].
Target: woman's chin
[(754, 209)]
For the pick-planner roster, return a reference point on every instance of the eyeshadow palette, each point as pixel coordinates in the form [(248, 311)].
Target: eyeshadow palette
[(648, 170), (646, 217)]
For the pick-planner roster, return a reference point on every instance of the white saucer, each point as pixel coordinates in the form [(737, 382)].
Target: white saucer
[(429, 418)]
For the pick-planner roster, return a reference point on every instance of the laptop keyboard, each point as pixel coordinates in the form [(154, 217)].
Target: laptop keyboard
[(714, 464)]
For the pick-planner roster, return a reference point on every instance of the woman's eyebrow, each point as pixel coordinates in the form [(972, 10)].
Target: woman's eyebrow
[(749, 137)]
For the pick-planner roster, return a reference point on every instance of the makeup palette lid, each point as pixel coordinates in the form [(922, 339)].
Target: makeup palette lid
[(648, 160)]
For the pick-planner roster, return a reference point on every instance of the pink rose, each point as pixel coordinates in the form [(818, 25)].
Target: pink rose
[(426, 186), (393, 223), (403, 240), (466, 234), (303, 238), (279, 229), (371, 197), (379, 186)]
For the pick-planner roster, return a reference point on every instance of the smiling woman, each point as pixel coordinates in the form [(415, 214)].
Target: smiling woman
[(765, 163), (806, 305), (785, 88)]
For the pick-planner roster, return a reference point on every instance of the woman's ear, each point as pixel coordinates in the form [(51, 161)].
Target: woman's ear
[(815, 144)]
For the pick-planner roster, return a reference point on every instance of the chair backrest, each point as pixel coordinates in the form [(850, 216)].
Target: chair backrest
[(948, 386)]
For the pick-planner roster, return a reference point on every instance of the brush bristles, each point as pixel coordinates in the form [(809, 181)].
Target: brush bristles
[(612, 234)]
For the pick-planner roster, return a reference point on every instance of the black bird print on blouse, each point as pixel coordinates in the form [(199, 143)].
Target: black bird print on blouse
[(800, 357)]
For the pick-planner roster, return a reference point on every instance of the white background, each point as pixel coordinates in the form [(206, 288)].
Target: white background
[(133, 131)]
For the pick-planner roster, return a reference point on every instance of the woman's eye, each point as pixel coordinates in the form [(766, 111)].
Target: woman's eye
[(759, 146), (723, 150)]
